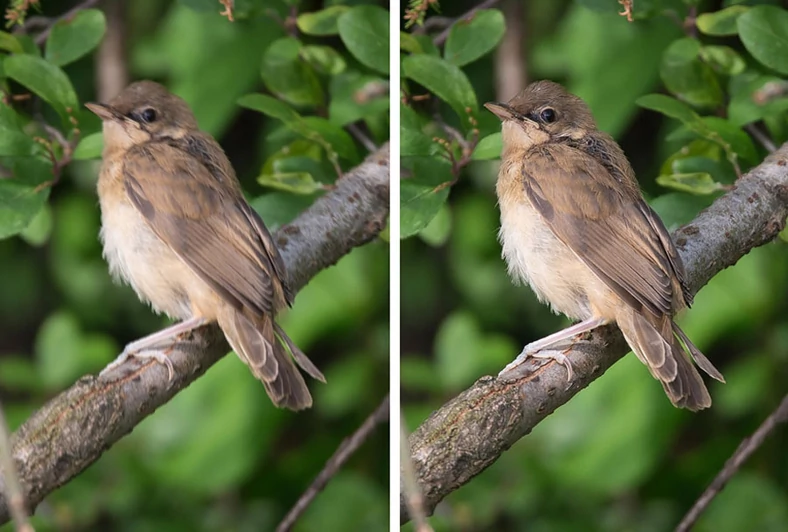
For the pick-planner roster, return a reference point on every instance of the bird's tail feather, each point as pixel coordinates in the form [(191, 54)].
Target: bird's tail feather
[(263, 346), (655, 341)]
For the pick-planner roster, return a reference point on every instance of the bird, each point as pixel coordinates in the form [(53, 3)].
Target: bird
[(176, 227), (576, 228)]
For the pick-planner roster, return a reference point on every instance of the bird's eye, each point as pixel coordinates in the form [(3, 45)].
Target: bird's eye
[(547, 115), (148, 115)]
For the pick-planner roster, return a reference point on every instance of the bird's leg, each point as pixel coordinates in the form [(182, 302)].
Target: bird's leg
[(143, 348), (538, 349)]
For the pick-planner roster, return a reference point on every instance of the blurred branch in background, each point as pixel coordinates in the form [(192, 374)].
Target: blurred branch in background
[(9, 480), (75, 428), (510, 61), (744, 451), (112, 70), (470, 432), (337, 460)]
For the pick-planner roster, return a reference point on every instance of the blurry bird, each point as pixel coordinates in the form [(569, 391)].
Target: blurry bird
[(176, 227), (575, 227)]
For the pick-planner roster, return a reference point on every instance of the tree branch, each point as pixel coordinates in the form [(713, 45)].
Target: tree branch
[(470, 432), (72, 431), (338, 459), (743, 452)]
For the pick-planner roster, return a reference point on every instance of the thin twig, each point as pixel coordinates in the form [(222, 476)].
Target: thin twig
[(42, 37), (744, 451), (16, 498), (441, 38), (761, 137), (341, 455), (411, 492), (362, 137)]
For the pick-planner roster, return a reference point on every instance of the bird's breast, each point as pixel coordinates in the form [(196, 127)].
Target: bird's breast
[(534, 255), (137, 256)]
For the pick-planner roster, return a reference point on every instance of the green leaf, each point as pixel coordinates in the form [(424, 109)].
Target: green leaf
[(10, 43), (443, 79), (669, 107), (89, 147), (742, 107), (46, 80), (489, 147), (321, 130), (40, 227), (295, 182), (409, 43), (764, 32), (19, 204), (696, 183), (365, 32), (438, 230), (356, 96), (422, 195), (324, 59), (287, 76), (420, 204), (330, 136), (686, 76), (722, 22), (269, 106), (723, 59), (323, 22), (71, 38), (471, 39), (726, 133), (280, 208), (15, 143)]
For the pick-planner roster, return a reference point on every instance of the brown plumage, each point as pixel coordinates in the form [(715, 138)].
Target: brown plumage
[(575, 226), (176, 227)]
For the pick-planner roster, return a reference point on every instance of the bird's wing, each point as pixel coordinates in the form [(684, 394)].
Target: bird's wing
[(207, 224), (613, 231)]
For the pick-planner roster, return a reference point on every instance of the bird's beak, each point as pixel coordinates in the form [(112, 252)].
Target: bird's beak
[(105, 112), (501, 110)]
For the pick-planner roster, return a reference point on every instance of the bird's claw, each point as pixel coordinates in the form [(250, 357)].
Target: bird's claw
[(551, 354), (158, 356)]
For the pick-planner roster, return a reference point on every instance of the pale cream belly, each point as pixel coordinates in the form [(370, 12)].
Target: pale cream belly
[(534, 255), (138, 257)]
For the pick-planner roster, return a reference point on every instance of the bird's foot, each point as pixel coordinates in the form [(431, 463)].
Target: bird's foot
[(514, 369), (159, 356)]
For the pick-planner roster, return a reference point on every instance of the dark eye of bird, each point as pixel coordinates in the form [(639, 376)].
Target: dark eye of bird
[(148, 115), (547, 115)]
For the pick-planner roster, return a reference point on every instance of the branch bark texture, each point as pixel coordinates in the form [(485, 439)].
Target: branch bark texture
[(470, 432), (72, 431)]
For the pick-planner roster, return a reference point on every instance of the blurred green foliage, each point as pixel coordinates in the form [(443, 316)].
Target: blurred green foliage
[(277, 87), (676, 87)]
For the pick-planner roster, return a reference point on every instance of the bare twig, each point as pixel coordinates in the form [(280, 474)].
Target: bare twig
[(362, 137), (470, 432), (442, 36), (411, 492), (68, 148), (42, 37), (338, 459), (75, 428), (9, 481), (762, 138), (743, 452)]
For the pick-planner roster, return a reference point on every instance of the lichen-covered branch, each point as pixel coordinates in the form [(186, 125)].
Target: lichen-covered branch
[(72, 431), (470, 432)]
